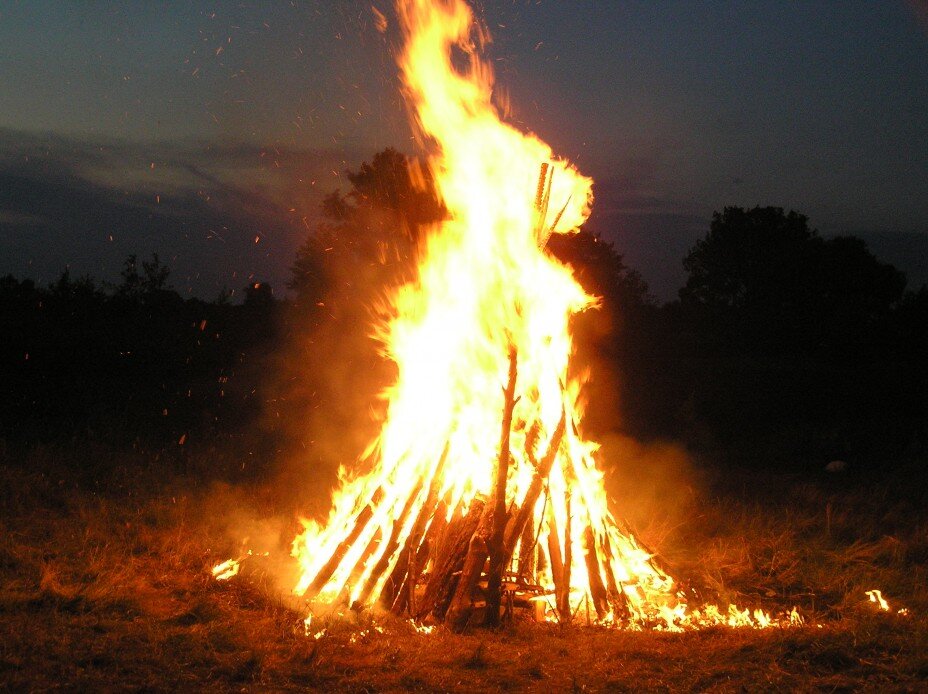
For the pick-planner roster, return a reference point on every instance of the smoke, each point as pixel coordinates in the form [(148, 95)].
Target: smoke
[(654, 487), (324, 407), (322, 390)]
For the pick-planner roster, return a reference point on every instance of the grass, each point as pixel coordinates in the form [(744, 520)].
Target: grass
[(105, 583)]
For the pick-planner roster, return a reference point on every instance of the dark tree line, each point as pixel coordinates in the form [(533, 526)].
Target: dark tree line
[(784, 347), (135, 358)]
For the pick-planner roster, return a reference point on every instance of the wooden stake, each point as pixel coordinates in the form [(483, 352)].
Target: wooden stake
[(462, 599), (541, 190), (386, 554), (617, 596), (417, 559), (597, 589), (414, 540), (564, 606), (448, 560), (526, 511), (495, 546), (557, 561), (527, 553), (361, 521)]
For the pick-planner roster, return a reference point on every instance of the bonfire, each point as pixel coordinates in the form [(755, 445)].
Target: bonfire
[(481, 495)]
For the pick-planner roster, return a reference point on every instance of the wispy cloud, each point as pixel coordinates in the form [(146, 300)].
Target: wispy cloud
[(218, 214)]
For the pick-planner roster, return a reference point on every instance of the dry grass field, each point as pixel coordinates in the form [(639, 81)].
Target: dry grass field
[(105, 584)]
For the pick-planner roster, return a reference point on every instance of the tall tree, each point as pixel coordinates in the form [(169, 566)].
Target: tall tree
[(368, 235), (766, 281), (365, 243)]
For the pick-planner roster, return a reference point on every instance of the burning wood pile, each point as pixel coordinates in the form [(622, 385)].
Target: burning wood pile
[(432, 554), (481, 494)]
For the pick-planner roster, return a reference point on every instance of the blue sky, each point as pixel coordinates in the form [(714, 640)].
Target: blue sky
[(676, 108)]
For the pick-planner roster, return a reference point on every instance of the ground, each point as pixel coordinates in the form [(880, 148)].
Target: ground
[(105, 583)]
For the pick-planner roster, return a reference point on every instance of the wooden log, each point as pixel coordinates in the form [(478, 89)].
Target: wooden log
[(357, 570), (556, 558), (527, 553), (496, 543), (461, 605), (394, 592), (434, 537), (526, 511), (394, 585), (389, 548), (419, 558), (542, 186), (564, 605), (448, 560), (542, 563), (361, 521), (597, 588), (531, 438), (617, 596), (625, 527), (542, 201)]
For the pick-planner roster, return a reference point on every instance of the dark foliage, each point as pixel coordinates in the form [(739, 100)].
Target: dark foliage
[(136, 359), (369, 235), (787, 348), (763, 280)]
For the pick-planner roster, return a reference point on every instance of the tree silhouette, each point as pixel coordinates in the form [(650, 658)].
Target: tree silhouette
[(366, 243), (368, 236), (750, 259), (763, 280), (150, 281), (791, 345), (601, 270)]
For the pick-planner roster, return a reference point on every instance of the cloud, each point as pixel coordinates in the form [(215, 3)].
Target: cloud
[(219, 215)]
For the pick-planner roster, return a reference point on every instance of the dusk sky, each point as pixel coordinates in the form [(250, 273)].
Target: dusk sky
[(194, 128)]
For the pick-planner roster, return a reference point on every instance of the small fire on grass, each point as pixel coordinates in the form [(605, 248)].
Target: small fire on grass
[(225, 570), (481, 495), (875, 596)]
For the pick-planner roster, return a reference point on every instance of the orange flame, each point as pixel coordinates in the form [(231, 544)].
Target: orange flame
[(485, 287)]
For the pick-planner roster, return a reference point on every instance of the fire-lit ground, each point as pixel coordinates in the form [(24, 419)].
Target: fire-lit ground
[(105, 582)]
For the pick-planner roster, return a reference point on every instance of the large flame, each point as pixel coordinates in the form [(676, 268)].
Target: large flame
[(487, 294)]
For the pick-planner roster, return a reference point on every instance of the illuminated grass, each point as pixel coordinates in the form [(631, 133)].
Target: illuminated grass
[(107, 584)]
